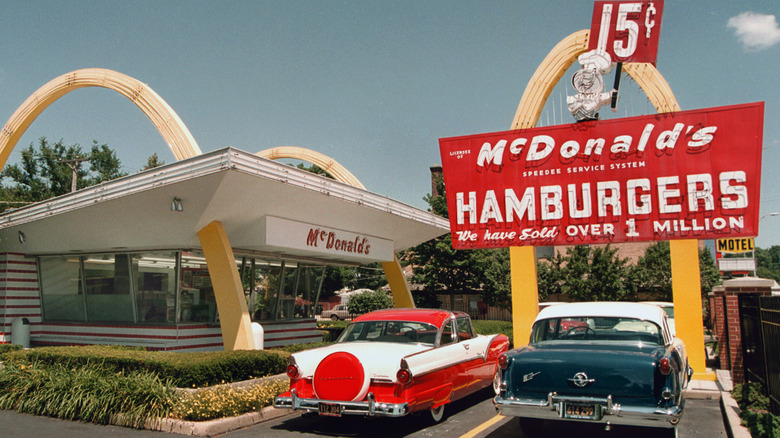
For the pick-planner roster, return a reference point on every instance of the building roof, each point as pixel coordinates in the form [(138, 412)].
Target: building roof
[(234, 187)]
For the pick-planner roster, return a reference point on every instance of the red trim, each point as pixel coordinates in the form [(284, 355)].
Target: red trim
[(151, 348), (18, 262), (18, 289), (187, 347), (294, 337), (289, 330), (149, 327), (128, 335), (17, 297)]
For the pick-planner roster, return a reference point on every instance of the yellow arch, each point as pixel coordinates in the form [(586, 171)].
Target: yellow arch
[(402, 295), (339, 172), (170, 126), (685, 274)]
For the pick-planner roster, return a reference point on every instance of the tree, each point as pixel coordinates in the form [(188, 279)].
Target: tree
[(50, 170), (595, 274), (708, 271), (369, 301), (153, 161), (654, 272), (768, 262), (104, 165), (439, 268)]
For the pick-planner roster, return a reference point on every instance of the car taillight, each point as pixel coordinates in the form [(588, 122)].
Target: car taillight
[(503, 361), (403, 375), (292, 371), (664, 366)]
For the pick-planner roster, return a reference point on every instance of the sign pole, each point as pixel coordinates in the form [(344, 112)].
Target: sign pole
[(686, 288), (525, 292)]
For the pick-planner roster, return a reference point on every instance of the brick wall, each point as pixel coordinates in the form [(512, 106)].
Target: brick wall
[(727, 322)]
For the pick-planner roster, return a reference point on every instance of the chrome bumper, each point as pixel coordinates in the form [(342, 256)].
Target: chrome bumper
[(370, 407), (611, 413)]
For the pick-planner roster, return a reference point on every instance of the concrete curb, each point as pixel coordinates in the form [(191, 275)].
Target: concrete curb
[(219, 426), (729, 407), (215, 427)]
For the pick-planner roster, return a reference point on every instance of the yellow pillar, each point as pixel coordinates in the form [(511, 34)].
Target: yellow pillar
[(231, 304), (525, 292), (688, 320), (402, 296)]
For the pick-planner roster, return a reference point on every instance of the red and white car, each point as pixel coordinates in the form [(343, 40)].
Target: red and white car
[(395, 362)]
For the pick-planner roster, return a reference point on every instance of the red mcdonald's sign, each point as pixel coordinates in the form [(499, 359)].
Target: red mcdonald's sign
[(627, 30), (685, 175)]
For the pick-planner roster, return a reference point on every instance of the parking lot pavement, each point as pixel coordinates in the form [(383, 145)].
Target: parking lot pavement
[(703, 418)]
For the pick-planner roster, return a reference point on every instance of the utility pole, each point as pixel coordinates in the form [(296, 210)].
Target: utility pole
[(74, 163)]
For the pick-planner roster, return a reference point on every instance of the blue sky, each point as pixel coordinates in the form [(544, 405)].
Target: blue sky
[(372, 84)]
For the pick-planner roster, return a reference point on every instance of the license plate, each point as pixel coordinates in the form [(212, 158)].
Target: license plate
[(330, 409), (580, 411)]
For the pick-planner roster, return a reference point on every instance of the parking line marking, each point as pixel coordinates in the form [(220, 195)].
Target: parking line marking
[(474, 432)]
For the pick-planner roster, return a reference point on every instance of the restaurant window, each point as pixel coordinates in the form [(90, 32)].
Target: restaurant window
[(280, 290), (198, 302), (263, 296), (63, 297), (108, 283), (135, 288), (156, 286)]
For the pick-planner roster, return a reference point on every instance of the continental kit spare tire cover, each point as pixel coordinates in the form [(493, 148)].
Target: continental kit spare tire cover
[(340, 376)]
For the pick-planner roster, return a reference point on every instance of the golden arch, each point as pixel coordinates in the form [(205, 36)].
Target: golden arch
[(170, 126), (339, 172), (685, 275), (402, 296)]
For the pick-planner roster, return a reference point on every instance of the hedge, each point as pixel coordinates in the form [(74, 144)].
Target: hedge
[(182, 369)]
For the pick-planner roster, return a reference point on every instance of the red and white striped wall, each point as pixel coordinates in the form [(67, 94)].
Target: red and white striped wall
[(279, 334), (19, 296)]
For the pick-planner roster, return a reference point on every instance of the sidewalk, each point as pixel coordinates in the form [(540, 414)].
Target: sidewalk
[(720, 389)]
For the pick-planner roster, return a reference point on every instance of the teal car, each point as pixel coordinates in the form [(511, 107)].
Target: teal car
[(608, 362)]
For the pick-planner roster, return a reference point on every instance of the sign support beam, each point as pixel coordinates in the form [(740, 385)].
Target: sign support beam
[(686, 287), (525, 292)]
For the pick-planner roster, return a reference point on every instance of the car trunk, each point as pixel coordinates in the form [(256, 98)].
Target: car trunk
[(601, 369)]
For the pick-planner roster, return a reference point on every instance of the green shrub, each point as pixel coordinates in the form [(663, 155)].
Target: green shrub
[(331, 330), (489, 327), (301, 347), (90, 393), (183, 369), (227, 401), (6, 348), (754, 403), (369, 301)]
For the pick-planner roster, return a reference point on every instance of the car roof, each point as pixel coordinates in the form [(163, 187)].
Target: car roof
[(604, 309), (436, 317), (659, 303)]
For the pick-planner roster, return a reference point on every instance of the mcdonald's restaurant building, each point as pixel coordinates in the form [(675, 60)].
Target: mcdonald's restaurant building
[(141, 260)]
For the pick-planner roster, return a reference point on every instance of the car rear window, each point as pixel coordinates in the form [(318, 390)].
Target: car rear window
[(405, 332), (596, 329)]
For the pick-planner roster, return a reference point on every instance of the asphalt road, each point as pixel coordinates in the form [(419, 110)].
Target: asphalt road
[(472, 417)]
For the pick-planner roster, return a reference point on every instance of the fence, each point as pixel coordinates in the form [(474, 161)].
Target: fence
[(760, 325), (473, 305)]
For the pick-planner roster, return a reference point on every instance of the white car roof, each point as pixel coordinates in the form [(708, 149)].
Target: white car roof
[(603, 309)]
